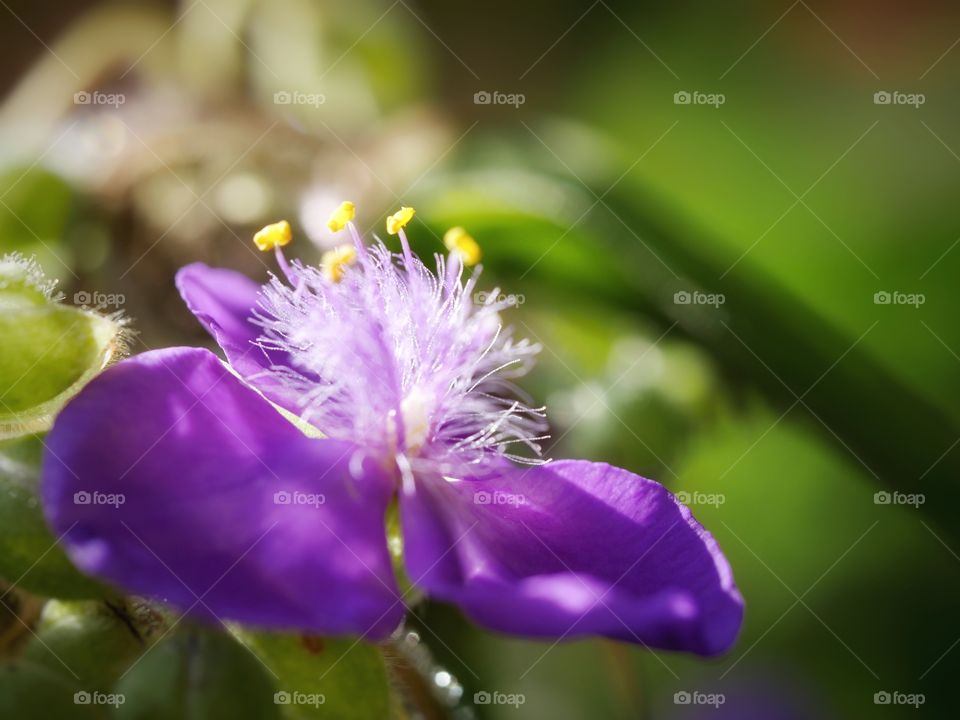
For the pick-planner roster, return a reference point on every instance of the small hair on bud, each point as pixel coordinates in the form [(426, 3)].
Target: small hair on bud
[(274, 235)]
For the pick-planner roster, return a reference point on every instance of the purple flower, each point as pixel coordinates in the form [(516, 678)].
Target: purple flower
[(230, 509)]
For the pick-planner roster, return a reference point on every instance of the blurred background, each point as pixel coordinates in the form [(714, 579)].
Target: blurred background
[(733, 227)]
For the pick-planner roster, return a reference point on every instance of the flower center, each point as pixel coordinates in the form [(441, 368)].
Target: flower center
[(415, 416), (397, 358)]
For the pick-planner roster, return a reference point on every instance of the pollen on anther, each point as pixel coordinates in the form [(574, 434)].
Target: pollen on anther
[(399, 220), (334, 261), (274, 235), (462, 243), (341, 216)]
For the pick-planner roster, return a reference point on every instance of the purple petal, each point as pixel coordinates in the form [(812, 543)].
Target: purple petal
[(572, 548), (223, 301), (203, 466)]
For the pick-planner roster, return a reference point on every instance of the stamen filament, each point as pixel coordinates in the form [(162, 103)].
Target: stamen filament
[(454, 271), (357, 240), (395, 225), (285, 267), (407, 252)]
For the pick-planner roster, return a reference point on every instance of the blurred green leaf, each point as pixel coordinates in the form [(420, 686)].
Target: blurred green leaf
[(29, 691), (49, 350), (33, 215), (89, 643), (29, 554), (324, 677), (197, 675), (628, 249)]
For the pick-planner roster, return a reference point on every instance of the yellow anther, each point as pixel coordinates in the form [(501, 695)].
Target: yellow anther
[(341, 216), (274, 235), (334, 261), (399, 219), (462, 243)]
